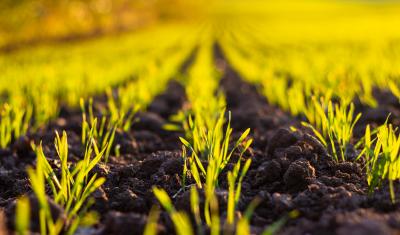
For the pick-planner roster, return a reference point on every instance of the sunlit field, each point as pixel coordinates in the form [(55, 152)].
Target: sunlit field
[(195, 117)]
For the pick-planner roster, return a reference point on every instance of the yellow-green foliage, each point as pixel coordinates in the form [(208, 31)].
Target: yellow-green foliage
[(14, 122), (48, 76), (152, 222), (395, 88), (180, 219), (137, 94), (206, 137), (103, 133), (311, 49), (240, 227), (22, 218), (71, 190), (316, 68), (382, 155), (301, 55), (296, 61), (38, 178), (206, 102), (333, 125), (218, 155)]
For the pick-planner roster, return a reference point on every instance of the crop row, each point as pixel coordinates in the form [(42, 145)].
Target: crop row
[(316, 83), (47, 78), (319, 83)]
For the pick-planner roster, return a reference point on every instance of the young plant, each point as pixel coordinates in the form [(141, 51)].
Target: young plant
[(103, 133), (38, 178), (43, 99), (180, 219), (71, 190), (203, 123), (211, 144), (334, 126), (215, 145), (235, 188), (395, 89), (151, 226), (121, 111), (243, 224), (289, 98), (382, 155), (183, 225), (22, 218), (14, 122)]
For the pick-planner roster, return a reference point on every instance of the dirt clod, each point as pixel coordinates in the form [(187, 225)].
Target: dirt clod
[(281, 139), (299, 174)]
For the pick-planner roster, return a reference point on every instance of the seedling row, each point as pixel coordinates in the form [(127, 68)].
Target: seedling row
[(203, 132)]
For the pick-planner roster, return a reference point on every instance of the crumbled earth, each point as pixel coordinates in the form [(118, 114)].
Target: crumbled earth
[(293, 170), (290, 171)]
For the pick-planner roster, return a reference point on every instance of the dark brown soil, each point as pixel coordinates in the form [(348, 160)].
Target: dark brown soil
[(293, 171), (290, 170)]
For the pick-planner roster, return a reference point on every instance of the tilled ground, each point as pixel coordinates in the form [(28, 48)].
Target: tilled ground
[(290, 170), (294, 171)]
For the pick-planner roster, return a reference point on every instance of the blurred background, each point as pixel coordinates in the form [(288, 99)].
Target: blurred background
[(27, 22), (67, 49)]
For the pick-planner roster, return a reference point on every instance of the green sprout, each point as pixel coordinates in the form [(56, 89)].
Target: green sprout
[(71, 190), (235, 190), (180, 219), (103, 133), (212, 144), (14, 122), (121, 111), (394, 88), (38, 178), (22, 218), (382, 155), (334, 127), (183, 225), (216, 152), (151, 226)]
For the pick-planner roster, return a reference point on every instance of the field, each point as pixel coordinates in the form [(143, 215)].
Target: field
[(244, 117)]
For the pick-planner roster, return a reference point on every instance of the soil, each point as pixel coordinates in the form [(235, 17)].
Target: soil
[(290, 170)]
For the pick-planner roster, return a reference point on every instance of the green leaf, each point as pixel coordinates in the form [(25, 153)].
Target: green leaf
[(195, 173), (22, 219), (194, 205), (164, 199), (172, 127), (185, 142), (151, 226)]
